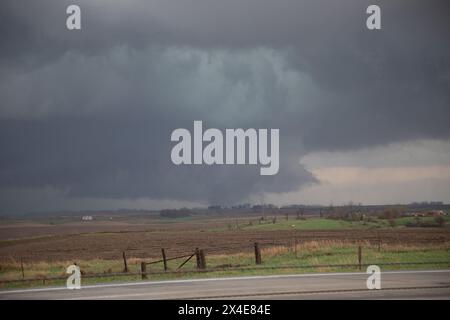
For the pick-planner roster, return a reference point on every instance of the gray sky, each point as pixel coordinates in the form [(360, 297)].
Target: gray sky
[(86, 116)]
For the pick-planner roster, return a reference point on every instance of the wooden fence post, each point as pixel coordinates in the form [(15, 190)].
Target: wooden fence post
[(21, 268), (202, 259), (198, 258), (379, 241), (143, 270), (125, 265), (257, 253), (359, 257), (164, 259), (295, 247)]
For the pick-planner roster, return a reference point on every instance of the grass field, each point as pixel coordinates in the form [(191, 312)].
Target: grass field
[(282, 259), (47, 250), (331, 224), (310, 224)]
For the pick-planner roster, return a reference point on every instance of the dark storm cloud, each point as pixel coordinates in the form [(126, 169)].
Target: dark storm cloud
[(104, 130), (91, 111)]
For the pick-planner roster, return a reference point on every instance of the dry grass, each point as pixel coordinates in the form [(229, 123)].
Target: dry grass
[(324, 245), (303, 253)]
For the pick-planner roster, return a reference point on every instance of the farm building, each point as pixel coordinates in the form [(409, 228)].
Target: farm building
[(433, 213)]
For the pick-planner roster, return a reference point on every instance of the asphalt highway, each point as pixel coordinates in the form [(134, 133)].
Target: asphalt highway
[(422, 284)]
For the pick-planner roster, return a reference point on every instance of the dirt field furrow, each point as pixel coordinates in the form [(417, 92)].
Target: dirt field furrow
[(141, 244)]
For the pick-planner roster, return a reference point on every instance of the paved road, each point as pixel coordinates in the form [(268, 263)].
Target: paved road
[(395, 285)]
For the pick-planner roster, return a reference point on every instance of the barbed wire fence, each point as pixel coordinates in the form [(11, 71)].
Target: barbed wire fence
[(198, 259)]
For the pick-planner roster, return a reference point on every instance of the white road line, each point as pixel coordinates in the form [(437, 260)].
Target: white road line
[(129, 284), (250, 294), (109, 297)]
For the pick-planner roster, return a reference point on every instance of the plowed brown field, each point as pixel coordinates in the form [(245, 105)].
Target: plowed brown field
[(146, 241)]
